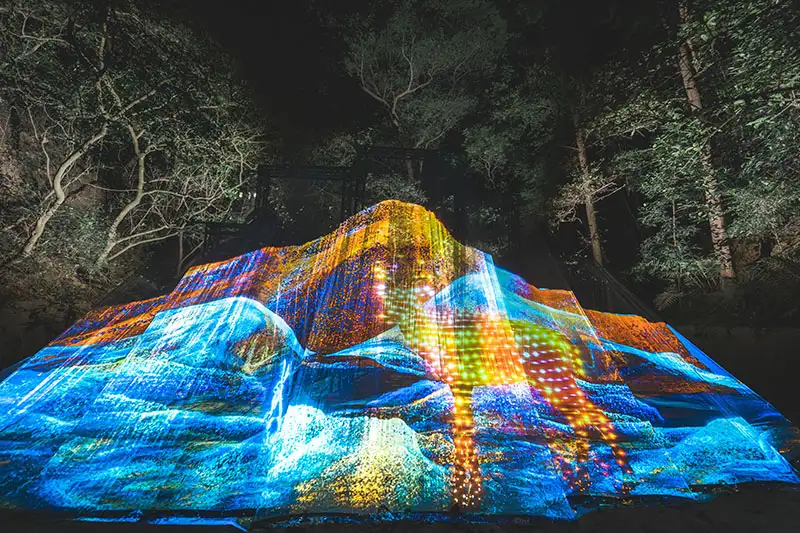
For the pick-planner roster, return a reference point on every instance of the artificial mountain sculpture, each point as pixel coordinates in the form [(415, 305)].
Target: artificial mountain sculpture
[(382, 368)]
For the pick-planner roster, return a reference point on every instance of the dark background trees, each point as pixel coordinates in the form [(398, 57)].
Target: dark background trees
[(658, 139)]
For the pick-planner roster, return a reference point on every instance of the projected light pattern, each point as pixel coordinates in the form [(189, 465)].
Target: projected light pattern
[(384, 367)]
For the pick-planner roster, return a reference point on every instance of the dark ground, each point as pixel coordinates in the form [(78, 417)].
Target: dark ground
[(748, 509)]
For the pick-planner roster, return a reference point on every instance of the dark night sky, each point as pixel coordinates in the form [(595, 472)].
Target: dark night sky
[(290, 61)]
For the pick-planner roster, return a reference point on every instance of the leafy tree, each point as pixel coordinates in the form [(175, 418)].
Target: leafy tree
[(712, 112), (762, 94), (588, 181), (507, 144), (103, 85), (422, 61)]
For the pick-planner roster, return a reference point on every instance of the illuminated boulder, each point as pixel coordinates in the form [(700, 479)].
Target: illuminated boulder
[(384, 368)]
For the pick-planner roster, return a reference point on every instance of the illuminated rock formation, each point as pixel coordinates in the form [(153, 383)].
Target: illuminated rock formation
[(382, 368)]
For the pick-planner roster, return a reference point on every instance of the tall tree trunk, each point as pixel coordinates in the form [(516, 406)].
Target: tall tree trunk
[(58, 189), (14, 133), (709, 182), (111, 236), (594, 234), (588, 199), (410, 169), (179, 266)]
